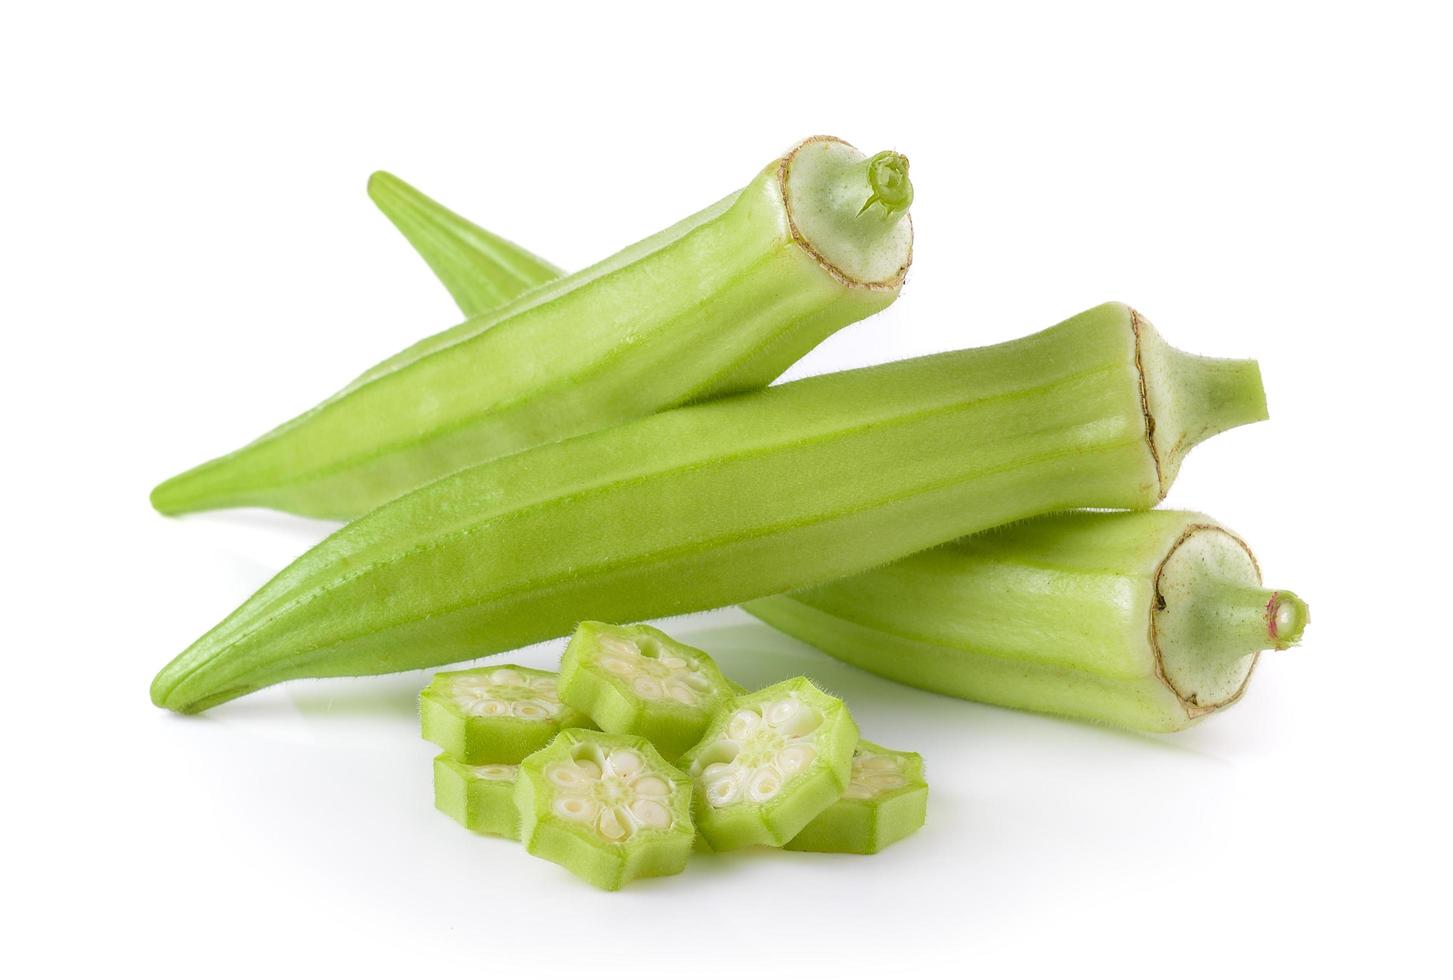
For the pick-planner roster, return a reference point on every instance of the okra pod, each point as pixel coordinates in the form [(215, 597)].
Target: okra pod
[(721, 302), (1147, 621), (735, 499)]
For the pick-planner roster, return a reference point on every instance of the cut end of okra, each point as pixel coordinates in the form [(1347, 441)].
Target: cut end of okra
[(481, 798), (636, 680), (1211, 617), (494, 714), (605, 807), (770, 762), (886, 800), (847, 210)]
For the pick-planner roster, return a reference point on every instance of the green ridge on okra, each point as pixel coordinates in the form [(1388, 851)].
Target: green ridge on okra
[(1147, 621), (721, 302)]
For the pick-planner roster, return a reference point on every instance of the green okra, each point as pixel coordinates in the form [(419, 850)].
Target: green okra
[(886, 800), (481, 270), (721, 302), (636, 680), (606, 807), (769, 763), (1147, 621), (735, 499), (496, 714), (481, 798)]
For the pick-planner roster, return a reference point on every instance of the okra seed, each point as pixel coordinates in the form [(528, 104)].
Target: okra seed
[(651, 814), (651, 786), (623, 762), (498, 772)]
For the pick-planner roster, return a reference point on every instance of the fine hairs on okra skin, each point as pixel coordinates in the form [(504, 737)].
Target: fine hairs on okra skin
[(721, 302), (739, 498), (1147, 621)]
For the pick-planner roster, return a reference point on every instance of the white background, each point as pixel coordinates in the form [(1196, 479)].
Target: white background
[(187, 257)]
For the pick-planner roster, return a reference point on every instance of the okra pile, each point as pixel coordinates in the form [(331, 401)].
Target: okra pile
[(607, 447), (640, 751)]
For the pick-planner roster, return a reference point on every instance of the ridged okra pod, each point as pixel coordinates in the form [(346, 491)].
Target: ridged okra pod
[(1147, 621), (735, 499), (721, 302)]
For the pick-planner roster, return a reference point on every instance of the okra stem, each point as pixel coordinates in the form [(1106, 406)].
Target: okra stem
[(1236, 620)]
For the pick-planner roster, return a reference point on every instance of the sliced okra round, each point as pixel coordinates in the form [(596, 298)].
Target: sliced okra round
[(481, 798), (494, 714), (769, 763), (886, 800), (636, 680), (606, 807)]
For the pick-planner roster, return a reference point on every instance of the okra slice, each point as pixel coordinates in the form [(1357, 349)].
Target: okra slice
[(481, 798), (636, 680), (730, 500), (886, 800), (769, 763), (605, 807), (1148, 621), (494, 714)]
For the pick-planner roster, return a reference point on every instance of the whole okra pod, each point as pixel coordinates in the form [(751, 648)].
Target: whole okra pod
[(1146, 620), (718, 503), (721, 302)]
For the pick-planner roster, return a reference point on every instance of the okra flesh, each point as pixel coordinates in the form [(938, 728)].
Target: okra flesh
[(1146, 621), (606, 807), (769, 763), (721, 302), (885, 801), (481, 798), (481, 270), (636, 680), (495, 714), (735, 499)]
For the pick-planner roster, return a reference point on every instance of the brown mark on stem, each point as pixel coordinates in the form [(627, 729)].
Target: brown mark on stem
[(1135, 325), (784, 167)]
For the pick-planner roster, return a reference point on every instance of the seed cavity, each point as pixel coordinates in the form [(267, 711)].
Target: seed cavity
[(656, 673), (495, 772), (615, 792), (873, 775), (763, 748), (506, 693)]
